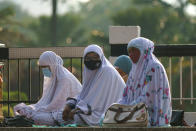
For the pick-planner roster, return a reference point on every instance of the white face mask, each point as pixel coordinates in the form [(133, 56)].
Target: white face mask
[(46, 72)]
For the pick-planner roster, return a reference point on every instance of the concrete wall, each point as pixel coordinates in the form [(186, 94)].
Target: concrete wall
[(122, 35), (190, 117)]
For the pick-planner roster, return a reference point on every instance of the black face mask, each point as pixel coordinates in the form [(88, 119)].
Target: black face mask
[(92, 64)]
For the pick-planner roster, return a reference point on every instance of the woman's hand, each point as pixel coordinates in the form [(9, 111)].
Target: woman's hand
[(1, 80), (66, 112), (72, 113)]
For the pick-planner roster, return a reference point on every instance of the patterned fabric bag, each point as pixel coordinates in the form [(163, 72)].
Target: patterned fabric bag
[(126, 115)]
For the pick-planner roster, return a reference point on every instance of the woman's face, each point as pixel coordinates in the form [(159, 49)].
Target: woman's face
[(46, 71), (45, 67), (91, 56), (92, 61), (134, 54)]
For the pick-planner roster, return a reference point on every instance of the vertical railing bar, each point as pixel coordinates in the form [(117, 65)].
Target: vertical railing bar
[(170, 74), (181, 58), (18, 79), (81, 69), (39, 82), (8, 87), (2, 87), (3, 73), (29, 80), (191, 79), (71, 64)]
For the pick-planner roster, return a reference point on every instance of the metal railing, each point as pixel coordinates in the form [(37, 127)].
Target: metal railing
[(20, 70), (23, 60)]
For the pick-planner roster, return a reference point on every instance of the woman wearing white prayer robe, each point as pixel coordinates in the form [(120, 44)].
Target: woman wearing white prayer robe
[(59, 84), (148, 82), (102, 86)]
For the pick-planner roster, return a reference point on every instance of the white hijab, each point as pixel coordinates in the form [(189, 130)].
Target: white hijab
[(148, 83), (56, 89), (101, 87)]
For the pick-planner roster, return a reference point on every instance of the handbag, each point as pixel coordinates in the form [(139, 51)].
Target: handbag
[(126, 115), (17, 121), (178, 118)]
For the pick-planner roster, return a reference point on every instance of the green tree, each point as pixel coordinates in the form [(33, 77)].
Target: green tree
[(95, 22), (53, 22), (13, 25), (159, 22), (66, 23)]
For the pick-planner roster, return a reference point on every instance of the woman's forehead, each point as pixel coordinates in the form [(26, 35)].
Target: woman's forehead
[(92, 54), (133, 48)]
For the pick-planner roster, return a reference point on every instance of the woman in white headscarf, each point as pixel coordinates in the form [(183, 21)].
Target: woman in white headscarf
[(148, 82), (59, 84), (102, 86)]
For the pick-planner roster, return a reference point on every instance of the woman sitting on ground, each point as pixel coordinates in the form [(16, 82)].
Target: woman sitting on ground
[(59, 84), (102, 86), (148, 82)]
